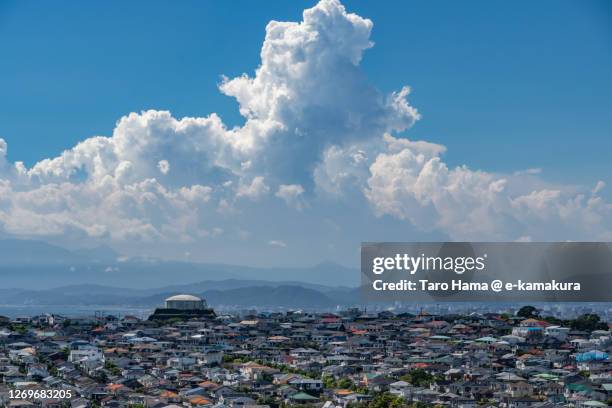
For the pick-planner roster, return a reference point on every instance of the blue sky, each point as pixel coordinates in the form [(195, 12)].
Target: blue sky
[(504, 86), (529, 81)]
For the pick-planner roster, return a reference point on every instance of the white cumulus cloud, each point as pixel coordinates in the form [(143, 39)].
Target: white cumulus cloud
[(255, 190), (291, 194), (315, 130)]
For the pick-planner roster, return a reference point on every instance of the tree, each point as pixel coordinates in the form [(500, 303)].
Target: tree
[(19, 328), (387, 400), (588, 322), (419, 377), (344, 383), (267, 377), (228, 359), (328, 381), (554, 320), (102, 377), (112, 367), (527, 312)]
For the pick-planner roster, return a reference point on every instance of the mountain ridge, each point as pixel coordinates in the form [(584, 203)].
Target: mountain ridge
[(39, 265), (217, 293)]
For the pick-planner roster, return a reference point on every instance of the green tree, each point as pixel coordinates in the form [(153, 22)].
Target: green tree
[(419, 404), (419, 377), (344, 383), (112, 367), (19, 328), (102, 377), (554, 320), (527, 312), (328, 381), (588, 322), (387, 400)]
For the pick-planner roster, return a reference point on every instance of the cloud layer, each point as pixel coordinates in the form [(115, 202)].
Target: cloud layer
[(316, 131)]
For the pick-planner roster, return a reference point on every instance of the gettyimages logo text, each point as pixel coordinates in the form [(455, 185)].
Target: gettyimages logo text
[(414, 264)]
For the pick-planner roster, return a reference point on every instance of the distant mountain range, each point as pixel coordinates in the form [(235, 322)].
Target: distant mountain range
[(38, 273), (39, 265), (227, 293)]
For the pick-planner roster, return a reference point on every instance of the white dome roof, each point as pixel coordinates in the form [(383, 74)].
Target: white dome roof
[(183, 297)]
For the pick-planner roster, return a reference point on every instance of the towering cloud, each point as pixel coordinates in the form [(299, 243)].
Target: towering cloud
[(316, 131)]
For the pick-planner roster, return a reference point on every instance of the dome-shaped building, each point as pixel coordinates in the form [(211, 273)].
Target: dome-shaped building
[(185, 302), (183, 307)]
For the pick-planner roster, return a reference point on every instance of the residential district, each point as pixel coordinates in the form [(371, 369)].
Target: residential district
[(186, 355)]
